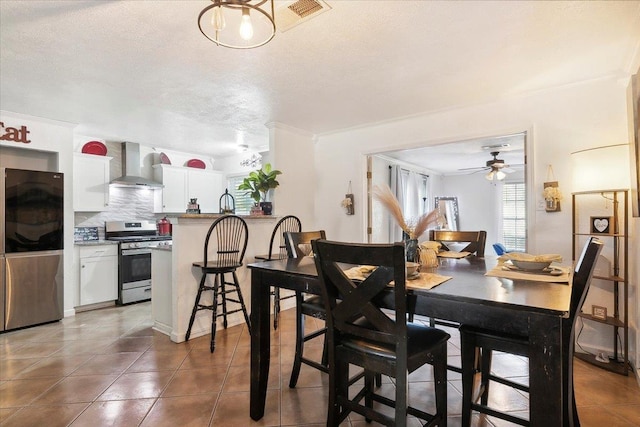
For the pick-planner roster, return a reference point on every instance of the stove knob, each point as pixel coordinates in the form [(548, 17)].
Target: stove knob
[(136, 245)]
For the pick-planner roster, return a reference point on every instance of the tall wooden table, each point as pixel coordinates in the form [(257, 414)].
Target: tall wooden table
[(527, 308)]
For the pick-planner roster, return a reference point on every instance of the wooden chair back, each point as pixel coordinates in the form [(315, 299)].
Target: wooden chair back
[(476, 240), (351, 305), (298, 244), (226, 241), (277, 246)]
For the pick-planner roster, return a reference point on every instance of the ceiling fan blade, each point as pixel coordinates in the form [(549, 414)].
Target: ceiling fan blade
[(481, 168)]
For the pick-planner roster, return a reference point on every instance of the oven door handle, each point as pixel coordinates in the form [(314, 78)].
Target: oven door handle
[(142, 251)]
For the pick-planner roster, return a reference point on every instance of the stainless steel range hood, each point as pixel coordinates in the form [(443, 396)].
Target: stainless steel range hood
[(131, 171)]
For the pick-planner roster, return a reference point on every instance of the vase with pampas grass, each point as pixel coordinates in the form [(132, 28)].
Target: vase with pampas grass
[(412, 228)]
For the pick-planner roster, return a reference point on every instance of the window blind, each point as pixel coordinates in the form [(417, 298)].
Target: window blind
[(514, 216)]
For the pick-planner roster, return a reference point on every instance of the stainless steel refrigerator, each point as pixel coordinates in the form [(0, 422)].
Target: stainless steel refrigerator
[(31, 247)]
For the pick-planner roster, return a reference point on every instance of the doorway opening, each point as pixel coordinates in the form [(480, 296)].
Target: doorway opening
[(475, 172)]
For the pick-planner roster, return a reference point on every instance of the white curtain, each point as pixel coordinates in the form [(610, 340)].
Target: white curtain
[(406, 186)]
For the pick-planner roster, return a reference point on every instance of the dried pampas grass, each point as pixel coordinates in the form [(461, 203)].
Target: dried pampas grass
[(413, 229)]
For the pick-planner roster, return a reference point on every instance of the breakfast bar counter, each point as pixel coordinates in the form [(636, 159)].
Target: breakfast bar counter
[(175, 280)]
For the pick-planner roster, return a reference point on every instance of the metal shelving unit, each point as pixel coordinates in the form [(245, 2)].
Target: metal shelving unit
[(616, 239)]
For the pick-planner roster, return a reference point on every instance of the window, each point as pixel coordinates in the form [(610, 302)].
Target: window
[(244, 202), (514, 216)]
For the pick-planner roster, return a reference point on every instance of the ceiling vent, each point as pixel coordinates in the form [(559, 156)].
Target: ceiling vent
[(293, 13)]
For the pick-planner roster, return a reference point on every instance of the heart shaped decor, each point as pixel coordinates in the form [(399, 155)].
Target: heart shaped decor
[(601, 224)]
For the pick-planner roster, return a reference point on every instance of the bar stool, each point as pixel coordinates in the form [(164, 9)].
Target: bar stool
[(227, 237), (287, 223)]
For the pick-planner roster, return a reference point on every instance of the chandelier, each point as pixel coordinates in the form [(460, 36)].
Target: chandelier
[(254, 161), (238, 24)]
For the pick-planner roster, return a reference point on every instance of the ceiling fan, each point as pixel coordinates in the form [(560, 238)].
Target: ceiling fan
[(496, 167)]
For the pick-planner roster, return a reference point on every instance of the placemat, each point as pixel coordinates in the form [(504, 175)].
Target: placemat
[(502, 271), (422, 280), (453, 254)]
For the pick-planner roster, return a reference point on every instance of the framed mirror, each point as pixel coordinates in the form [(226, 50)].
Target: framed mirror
[(448, 209)]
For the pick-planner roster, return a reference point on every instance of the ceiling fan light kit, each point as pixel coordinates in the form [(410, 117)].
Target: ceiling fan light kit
[(238, 24), (496, 166)]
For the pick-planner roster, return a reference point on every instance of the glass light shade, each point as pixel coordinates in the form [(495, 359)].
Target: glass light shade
[(238, 24), (601, 169)]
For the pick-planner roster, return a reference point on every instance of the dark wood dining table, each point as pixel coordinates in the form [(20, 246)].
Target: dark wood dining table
[(524, 307)]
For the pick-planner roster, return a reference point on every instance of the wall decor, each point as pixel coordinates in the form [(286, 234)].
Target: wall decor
[(551, 193), (347, 202), (602, 225), (599, 312), (15, 134)]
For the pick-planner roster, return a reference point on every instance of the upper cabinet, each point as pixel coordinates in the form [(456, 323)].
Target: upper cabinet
[(90, 182), (182, 184)]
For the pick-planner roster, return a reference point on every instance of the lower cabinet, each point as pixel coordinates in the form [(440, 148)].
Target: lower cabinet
[(98, 274)]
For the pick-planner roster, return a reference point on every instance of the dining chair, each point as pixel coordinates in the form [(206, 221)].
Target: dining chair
[(278, 250), (474, 339), (381, 341), (298, 245), (224, 248), (476, 240)]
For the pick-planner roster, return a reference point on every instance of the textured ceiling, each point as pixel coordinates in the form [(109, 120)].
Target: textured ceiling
[(141, 71)]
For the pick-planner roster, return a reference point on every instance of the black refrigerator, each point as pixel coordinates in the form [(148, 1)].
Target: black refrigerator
[(31, 247)]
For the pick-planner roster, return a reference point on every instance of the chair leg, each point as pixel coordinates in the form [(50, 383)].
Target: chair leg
[(214, 313), (195, 306), (485, 371), (338, 387), (468, 350), (223, 289), (276, 307), (440, 379), (297, 360), (241, 299)]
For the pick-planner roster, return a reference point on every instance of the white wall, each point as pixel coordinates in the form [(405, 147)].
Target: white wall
[(292, 151), (557, 122), (54, 137)]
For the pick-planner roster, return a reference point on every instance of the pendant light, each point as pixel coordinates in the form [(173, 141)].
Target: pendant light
[(238, 24)]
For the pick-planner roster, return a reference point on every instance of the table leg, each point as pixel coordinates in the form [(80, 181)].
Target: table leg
[(260, 343), (546, 397)]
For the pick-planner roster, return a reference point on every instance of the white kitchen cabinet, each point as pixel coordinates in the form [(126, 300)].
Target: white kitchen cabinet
[(182, 184), (98, 274), (173, 196), (90, 182), (206, 186)]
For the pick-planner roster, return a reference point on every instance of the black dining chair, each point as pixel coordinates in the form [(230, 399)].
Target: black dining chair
[(278, 250), (474, 339), (224, 248), (381, 341), (476, 240), (298, 245)]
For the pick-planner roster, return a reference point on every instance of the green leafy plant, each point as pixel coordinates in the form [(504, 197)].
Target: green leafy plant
[(259, 182)]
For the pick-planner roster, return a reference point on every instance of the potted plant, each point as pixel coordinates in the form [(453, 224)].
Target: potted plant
[(258, 184)]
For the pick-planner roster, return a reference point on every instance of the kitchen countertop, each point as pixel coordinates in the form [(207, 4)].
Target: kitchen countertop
[(95, 242), (214, 216)]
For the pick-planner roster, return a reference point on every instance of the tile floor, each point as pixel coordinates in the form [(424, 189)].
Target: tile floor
[(109, 368)]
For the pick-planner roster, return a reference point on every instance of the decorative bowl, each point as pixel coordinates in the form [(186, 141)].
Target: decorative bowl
[(412, 268), (531, 265)]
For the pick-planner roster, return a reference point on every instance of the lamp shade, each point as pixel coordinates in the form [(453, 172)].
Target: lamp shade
[(601, 169)]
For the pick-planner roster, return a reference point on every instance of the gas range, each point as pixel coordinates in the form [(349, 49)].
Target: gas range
[(136, 238), (133, 233)]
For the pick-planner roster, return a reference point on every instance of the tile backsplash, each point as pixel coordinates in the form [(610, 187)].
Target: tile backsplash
[(124, 203)]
